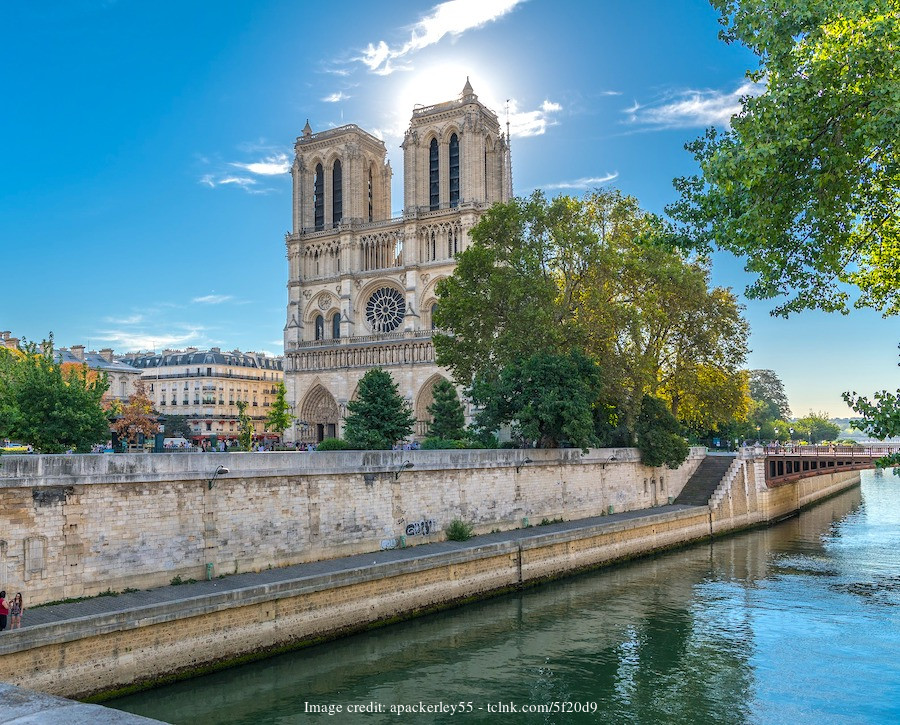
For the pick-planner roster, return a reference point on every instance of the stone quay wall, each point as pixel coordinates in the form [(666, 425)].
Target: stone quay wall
[(75, 526), (89, 655)]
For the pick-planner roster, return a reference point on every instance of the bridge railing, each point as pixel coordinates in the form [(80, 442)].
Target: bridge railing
[(785, 463)]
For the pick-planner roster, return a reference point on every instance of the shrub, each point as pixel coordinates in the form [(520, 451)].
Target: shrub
[(334, 444), (658, 436), (459, 530)]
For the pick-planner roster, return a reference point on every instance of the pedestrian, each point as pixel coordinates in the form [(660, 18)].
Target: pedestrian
[(4, 610), (16, 609)]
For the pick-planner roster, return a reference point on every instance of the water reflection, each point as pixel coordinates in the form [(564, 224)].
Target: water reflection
[(791, 623)]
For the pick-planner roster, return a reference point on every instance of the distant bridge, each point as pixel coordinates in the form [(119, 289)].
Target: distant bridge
[(788, 463)]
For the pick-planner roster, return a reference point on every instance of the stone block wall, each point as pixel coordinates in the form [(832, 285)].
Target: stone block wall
[(73, 526)]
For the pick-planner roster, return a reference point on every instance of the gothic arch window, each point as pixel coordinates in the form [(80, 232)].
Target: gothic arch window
[(454, 170), (336, 326), (320, 327), (385, 309), (319, 198), (434, 186), (371, 197), (337, 193), (434, 309)]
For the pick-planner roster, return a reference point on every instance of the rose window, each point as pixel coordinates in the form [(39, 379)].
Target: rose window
[(385, 310)]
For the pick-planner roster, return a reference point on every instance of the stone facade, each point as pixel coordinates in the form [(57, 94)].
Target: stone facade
[(361, 283), (204, 385), (122, 377)]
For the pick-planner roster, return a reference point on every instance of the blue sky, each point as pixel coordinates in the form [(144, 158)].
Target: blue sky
[(144, 147)]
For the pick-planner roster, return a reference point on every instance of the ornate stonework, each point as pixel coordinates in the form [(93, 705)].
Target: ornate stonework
[(382, 269)]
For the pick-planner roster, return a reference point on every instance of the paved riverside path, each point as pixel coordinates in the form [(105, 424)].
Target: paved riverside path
[(104, 605)]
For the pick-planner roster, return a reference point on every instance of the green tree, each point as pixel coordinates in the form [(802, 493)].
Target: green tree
[(279, 417), (658, 436), (881, 419), (815, 426), (548, 399), (51, 409), (448, 419), (379, 417), (591, 274), (177, 425), (804, 184), (767, 390), (245, 426)]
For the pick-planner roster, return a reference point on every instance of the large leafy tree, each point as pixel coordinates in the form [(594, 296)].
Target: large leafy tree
[(548, 399), (805, 184), (816, 427), (591, 274), (245, 426), (379, 417), (658, 436), (767, 390), (178, 425), (279, 417), (448, 419), (51, 409)]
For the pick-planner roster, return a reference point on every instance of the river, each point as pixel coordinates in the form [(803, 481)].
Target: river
[(798, 623)]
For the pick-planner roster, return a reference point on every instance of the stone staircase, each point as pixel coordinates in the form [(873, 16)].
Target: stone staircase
[(699, 488)]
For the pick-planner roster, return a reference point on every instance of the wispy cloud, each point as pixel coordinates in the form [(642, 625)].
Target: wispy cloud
[(532, 123), (133, 340), (336, 97), (587, 182), (453, 18), (212, 299), (212, 181), (692, 108), (269, 166)]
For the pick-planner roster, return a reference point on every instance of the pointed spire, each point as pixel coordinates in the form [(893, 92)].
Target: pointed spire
[(307, 131), (467, 89)]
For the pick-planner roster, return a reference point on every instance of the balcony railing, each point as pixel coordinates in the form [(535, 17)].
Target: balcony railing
[(364, 339)]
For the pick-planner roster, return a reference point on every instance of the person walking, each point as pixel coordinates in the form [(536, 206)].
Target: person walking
[(16, 609), (4, 610)]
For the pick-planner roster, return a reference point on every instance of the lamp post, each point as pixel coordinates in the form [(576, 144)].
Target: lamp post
[(403, 466), (523, 463), (219, 469), (608, 460)]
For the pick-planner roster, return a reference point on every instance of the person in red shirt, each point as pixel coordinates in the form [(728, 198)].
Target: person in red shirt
[(4, 610)]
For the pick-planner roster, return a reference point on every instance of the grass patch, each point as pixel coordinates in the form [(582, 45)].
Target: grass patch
[(547, 522), (75, 600), (177, 581)]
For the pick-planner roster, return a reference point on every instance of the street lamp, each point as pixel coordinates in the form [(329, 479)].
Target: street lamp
[(219, 469), (519, 465), (404, 465), (608, 460)]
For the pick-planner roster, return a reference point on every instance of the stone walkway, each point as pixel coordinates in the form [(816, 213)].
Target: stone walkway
[(104, 605)]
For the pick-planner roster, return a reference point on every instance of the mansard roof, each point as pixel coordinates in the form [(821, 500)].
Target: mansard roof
[(204, 357)]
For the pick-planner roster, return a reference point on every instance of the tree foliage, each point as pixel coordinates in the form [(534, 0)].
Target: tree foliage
[(279, 417), (137, 417), (448, 419), (245, 426), (177, 425), (658, 435), (379, 417), (767, 390), (546, 277), (52, 410), (806, 182), (547, 398)]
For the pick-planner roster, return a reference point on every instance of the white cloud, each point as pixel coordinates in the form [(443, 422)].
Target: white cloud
[(693, 108), (453, 18), (130, 320), (336, 97), (212, 299), (212, 181), (532, 123), (588, 182), (128, 340), (269, 166)]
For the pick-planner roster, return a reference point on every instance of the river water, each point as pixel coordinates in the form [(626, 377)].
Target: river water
[(796, 623)]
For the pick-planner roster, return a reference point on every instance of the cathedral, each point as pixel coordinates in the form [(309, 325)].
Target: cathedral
[(361, 283)]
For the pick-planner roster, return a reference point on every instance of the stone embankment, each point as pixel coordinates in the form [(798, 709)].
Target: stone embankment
[(106, 643)]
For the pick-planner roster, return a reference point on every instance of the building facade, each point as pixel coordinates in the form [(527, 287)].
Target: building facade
[(121, 376), (361, 284), (205, 385)]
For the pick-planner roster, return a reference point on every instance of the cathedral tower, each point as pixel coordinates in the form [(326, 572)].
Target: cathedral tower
[(361, 287)]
